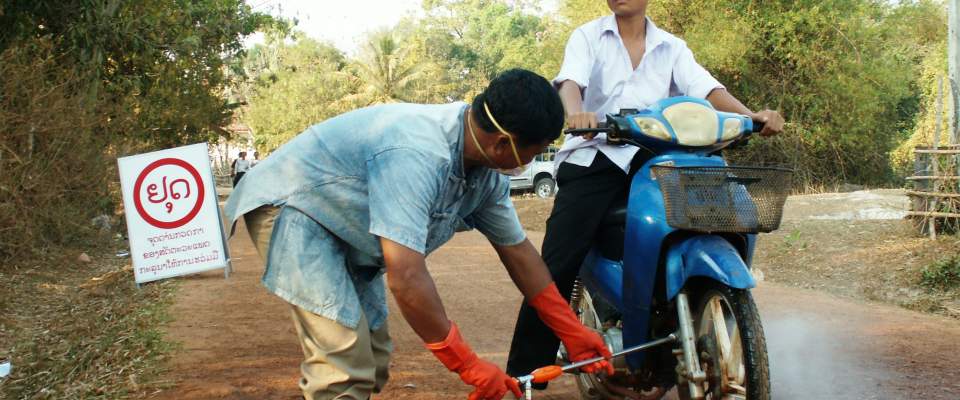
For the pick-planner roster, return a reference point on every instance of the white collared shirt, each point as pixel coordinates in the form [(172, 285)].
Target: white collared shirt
[(243, 165), (597, 60)]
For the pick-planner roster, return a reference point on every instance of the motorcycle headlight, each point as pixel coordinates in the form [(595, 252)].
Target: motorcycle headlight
[(654, 128), (731, 128), (695, 124)]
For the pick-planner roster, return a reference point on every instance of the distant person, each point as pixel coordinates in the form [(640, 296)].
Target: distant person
[(374, 191), (240, 167), (256, 159), (614, 62)]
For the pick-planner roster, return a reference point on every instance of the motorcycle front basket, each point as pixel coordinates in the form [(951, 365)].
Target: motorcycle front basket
[(724, 199)]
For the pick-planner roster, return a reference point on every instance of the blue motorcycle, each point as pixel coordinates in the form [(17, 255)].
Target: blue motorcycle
[(688, 232)]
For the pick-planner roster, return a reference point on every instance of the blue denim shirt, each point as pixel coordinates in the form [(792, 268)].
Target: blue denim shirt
[(393, 171)]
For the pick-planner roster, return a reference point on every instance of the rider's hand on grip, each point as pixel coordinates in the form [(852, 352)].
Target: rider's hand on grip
[(581, 343), (489, 382), (771, 122), (583, 120)]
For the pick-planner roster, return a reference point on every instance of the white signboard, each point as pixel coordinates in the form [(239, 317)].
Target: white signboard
[(173, 220)]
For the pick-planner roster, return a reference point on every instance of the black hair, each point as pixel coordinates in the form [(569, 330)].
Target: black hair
[(524, 104)]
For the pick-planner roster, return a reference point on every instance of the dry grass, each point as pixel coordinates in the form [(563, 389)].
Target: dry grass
[(55, 168), (872, 260), (80, 330)]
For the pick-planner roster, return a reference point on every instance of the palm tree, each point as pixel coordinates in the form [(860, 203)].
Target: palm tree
[(387, 73)]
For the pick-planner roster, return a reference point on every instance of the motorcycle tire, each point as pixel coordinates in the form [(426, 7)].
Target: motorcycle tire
[(752, 378)]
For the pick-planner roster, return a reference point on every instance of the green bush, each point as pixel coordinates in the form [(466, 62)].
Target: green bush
[(944, 274)]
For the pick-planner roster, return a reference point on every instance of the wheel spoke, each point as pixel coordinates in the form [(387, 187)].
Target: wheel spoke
[(722, 337), (738, 390), (592, 317), (706, 322), (735, 368)]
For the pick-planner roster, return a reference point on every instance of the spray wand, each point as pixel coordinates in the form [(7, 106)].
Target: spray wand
[(551, 372)]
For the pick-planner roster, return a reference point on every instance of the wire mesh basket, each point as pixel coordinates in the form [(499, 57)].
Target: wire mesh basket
[(724, 199)]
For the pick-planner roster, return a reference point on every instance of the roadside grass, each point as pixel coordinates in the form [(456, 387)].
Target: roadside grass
[(75, 330), (943, 274)]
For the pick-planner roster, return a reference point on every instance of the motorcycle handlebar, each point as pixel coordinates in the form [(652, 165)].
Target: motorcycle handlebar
[(601, 128)]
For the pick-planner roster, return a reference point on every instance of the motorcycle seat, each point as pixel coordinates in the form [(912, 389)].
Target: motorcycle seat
[(610, 238), (616, 216)]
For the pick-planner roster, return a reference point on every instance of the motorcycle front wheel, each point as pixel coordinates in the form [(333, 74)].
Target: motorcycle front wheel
[(731, 346)]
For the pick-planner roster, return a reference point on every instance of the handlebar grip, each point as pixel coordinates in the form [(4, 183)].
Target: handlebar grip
[(584, 131), (601, 128), (758, 126)]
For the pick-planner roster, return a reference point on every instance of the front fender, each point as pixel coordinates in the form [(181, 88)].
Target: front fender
[(706, 256)]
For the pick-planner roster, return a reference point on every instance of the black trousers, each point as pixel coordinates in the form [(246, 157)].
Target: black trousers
[(585, 196), (236, 178)]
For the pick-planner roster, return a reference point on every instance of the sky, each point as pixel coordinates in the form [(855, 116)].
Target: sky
[(342, 22)]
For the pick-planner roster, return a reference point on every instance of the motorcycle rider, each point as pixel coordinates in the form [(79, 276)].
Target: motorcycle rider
[(614, 62)]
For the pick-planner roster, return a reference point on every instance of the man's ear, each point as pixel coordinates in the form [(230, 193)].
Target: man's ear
[(503, 144)]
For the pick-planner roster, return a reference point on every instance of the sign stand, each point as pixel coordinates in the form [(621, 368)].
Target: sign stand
[(228, 265), (174, 222)]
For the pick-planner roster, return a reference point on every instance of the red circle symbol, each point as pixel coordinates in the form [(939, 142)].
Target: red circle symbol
[(138, 186)]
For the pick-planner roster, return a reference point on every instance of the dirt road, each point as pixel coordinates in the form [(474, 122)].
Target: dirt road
[(239, 343)]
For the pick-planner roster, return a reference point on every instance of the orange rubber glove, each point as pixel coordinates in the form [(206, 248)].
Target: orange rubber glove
[(489, 382), (581, 343)]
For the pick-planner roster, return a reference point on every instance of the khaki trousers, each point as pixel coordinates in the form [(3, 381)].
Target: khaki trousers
[(339, 362)]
